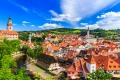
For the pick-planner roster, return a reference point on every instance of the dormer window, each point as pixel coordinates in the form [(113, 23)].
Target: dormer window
[(114, 66), (110, 66)]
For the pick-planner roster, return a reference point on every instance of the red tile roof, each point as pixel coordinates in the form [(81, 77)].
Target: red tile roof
[(71, 68), (55, 48), (83, 63), (8, 32), (106, 63), (91, 60)]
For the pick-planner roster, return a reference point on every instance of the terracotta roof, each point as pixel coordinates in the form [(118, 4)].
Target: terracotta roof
[(55, 48), (72, 43), (83, 63), (63, 44), (91, 60), (106, 63), (71, 68), (8, 32), (78, 65)]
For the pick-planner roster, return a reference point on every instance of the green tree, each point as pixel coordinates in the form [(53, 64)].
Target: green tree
[(99, 74), (37, 77), (21, 75), (60, 41), (25, 49), (23, 36), (30, 52), (37, 51), (6, 73)]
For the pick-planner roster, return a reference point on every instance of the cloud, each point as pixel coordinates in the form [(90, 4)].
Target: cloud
[(54, 13), (24, 25), (63, 17), (40, 14), (83, 24), (109, 20), (85, 8), (79, 28), (14, 24), (110, 14), (32, 25), (25, 22), (20, 6), (23, 8), (50, 26)]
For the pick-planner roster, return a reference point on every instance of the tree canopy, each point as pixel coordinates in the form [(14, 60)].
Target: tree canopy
[(99, 74), (7, 63)]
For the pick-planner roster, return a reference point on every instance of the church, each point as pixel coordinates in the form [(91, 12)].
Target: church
[(9, 34)]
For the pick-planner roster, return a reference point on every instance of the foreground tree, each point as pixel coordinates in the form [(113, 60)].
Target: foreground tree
[(6, 73), (99, 74), (21, 75)]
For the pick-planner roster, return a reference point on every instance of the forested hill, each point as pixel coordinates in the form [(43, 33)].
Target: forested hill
[(96, 32), (57, 31)]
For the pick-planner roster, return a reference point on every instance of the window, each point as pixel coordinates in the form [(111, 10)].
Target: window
[(111, 61), (119, 66), (72, 72), (114, 66), (110, 66)]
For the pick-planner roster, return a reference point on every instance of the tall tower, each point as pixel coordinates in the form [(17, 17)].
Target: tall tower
[(9, 24), (88, 32), (30, 38)]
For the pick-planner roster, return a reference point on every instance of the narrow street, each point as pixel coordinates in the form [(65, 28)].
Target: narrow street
[(38, 70)]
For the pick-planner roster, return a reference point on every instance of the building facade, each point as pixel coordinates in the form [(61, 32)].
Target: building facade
[(9, 34)]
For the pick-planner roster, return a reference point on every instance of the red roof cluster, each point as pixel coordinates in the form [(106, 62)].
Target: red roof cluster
[(8, 32)]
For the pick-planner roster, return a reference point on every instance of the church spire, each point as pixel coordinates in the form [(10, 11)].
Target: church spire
[(9, 24), (88, 33)]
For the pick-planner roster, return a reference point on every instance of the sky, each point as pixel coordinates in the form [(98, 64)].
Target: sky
[(50, 14)]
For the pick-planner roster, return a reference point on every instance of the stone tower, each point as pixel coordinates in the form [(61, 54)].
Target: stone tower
[(9, 24)]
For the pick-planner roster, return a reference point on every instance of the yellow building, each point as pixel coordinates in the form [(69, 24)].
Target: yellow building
[(9, 34)]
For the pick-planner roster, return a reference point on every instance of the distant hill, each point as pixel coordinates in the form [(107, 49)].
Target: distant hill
[(57, 31), (107, 34)]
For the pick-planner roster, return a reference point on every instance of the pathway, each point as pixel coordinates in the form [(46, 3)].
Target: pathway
[(38, 70)]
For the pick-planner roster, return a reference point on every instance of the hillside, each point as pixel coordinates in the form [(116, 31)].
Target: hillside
[(57, 31)]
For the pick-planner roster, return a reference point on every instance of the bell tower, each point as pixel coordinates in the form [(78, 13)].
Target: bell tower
[(9, 24)]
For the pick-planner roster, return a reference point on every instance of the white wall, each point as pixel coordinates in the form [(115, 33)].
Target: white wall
[(91, 67)]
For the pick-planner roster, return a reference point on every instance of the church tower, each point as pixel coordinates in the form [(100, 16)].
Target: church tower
[(30, 38), (9, 24), (88, 33), (91, 64)]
